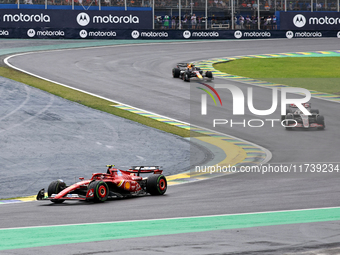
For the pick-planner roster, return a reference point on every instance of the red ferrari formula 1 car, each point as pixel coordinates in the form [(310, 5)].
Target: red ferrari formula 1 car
[(114, 183)]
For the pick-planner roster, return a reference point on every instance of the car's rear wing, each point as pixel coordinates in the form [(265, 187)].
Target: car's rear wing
[(182, 65), (145, 169)]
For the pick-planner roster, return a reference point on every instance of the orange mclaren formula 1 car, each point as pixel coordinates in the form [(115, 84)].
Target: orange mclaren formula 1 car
[(114, 183)]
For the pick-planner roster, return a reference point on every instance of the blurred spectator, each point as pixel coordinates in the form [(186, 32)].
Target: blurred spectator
[(290, 6), (254, 6), (193, 21), (184, 22), (166, 22), (173, 22), (318, 6), (199, 22), (267, 23), (241, 22), (248, 22), (333, 6), (254, 22), (274, 22), (266, 6)]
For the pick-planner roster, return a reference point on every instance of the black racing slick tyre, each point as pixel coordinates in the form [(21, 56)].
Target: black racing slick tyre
[(209, 74), (321, 121), (289, 117), (156, 184), (186, 77), (175, 72), (99, 190), (54, 188)]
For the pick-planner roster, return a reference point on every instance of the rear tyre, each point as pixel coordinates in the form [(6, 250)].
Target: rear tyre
[(100, 191), (209, 74), (175, 72), (54, 188), (156, 184), (321, 121)]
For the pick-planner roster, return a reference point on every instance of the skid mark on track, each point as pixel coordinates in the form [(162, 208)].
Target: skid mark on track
[(28, 96)]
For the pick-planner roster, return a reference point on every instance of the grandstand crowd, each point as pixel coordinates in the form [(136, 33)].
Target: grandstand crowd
[(193, 11), (245, 5), (192, 22)]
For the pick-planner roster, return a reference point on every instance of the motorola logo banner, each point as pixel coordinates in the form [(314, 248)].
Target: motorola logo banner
[(299, 20), (135, 34), (186, 34), (238, 34), (31, 32), (83, 19), (289, 34), (83, 33)]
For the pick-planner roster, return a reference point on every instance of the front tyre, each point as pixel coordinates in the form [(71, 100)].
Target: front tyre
[(156, 184), (186, 77), (97, 191), (321, 121), (54, 188), (209, 74), (176, 72), (288, 117)]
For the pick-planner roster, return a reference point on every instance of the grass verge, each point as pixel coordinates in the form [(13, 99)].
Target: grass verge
[(321, 73), (88, 100)]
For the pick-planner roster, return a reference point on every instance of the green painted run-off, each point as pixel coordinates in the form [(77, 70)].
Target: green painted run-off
[(53, 235)]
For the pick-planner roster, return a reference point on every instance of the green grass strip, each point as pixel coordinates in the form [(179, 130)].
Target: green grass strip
[(313, 73), (88, 100), (66, 234)]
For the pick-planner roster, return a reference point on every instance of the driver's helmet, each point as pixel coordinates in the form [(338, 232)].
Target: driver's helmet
[(307, 105)]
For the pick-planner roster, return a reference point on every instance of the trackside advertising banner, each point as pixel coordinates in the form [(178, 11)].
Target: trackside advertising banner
[(310, 20), (68, 19), (137, 34)]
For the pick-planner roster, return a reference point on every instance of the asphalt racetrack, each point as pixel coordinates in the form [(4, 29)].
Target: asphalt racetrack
[(141, 76)]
